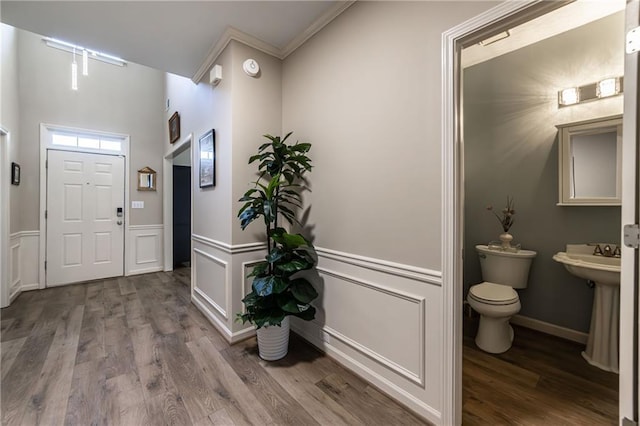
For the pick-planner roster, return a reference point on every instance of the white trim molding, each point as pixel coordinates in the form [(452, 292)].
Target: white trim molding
[(228, 248), (405, 271), (167, 199), (5, 212), (145, 250), (200, 292), (232, 33), (453, 199), (23, 254)]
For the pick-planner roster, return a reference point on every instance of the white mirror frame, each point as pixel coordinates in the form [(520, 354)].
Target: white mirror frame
[(565, 135)]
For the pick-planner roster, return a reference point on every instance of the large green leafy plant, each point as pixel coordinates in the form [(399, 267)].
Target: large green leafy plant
[(278, 289)]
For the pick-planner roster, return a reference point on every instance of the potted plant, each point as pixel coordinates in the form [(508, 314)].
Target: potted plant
[(278, 289)]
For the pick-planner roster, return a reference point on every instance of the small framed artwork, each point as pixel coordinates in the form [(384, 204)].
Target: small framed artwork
[(174, 127), (146, 179), (15, 174), (207, 159)]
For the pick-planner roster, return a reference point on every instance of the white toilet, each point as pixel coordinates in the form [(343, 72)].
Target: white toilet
[(495, 299)]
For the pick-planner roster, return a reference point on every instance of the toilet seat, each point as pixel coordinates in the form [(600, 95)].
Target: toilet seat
[(493, 294)]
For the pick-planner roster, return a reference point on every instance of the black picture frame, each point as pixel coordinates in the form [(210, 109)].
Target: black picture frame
[(15, 174), (207, 159), (174, 127)]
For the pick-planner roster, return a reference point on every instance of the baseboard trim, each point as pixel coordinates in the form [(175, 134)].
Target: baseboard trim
[(552, 329), (381, 383), (213, 319)]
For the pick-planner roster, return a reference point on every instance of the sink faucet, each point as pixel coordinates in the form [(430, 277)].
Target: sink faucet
[(606, 250)]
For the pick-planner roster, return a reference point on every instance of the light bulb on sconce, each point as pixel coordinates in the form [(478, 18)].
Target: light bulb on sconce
[(608, 87), (568, 96)]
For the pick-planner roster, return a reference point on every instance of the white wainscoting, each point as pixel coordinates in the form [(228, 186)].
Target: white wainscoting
[(23, 258), (382, 320), (218, 282), (145, 251)]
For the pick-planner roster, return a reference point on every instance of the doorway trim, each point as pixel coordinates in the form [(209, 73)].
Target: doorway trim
[(5, 213), (167, 200), (45, 136), (499, 18)]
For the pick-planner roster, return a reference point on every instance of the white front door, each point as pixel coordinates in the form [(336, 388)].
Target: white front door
[(629, 342), (85, 234)]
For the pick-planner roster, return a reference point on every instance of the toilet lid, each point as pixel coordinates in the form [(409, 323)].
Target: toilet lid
[(495, 294)]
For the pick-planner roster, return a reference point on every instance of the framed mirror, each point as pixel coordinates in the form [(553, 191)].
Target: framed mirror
[(146, 179), (590, 161)]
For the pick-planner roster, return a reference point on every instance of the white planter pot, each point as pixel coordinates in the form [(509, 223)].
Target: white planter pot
[(273, 341)]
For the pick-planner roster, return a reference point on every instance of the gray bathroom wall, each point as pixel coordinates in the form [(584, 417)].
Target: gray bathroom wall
[(511, 149)]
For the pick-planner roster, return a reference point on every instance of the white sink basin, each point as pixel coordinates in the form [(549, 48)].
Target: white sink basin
[(599, 269), (603, 340)]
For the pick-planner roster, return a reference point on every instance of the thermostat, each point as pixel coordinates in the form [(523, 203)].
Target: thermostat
[(251, 67)]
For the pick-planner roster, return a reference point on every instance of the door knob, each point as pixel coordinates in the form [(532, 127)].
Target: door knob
[(119, 222)]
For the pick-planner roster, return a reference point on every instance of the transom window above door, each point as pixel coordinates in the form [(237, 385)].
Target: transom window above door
[(93, 142)]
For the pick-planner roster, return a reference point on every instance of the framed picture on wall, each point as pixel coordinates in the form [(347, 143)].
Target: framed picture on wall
[(174, 127), (207, 157), (15, 174)]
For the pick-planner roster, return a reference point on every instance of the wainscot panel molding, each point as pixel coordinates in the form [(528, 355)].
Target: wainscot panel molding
[(405, 271), (145, 253), (228, 248), (382, 320), (23, 255), (218, 282), (215, 282)]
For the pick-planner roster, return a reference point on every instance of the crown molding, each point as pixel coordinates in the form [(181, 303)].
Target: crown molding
[(232, 33), (315, 27)]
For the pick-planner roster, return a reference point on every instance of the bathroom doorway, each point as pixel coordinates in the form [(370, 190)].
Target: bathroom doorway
[(509, 109)]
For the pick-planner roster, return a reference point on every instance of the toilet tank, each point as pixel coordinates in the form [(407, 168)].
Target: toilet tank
[(504, 267)]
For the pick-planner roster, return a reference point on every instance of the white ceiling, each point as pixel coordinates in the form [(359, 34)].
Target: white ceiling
[(172, 36)]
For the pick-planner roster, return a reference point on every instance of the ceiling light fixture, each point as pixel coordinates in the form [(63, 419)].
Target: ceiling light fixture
[(74, 72), (85, 62), (94, 54)]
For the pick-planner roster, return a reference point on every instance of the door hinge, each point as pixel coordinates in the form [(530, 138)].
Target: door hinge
[(45, 265), (627, 422), (631, 235), (46, 164), (632, 41), (46, 214)]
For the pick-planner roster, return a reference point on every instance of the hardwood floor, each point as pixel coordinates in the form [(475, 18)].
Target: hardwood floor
[(541, 380), (135, 351)]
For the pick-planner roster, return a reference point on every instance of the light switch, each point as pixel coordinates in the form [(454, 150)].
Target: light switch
[(137, 204)]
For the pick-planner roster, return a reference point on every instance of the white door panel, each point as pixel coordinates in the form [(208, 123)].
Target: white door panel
[(629, 368), (85, 238)]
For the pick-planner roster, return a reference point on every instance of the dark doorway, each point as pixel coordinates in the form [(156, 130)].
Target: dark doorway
[(181, 216)]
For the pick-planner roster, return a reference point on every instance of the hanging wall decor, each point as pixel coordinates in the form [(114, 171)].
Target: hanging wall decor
[(207, 159), (174, 127)]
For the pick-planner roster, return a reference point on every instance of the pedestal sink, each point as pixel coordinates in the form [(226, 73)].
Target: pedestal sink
[(602, 344)]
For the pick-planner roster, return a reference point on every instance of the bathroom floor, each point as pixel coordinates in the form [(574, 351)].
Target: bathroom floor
[(541, 380)]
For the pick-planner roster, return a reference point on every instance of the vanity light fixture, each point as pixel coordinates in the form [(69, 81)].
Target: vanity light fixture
[(590, 92)]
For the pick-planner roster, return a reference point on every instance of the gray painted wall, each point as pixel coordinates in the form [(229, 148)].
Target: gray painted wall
[(9, 109), (365, 92), (240, 109), (511, 148), (125, 100)]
